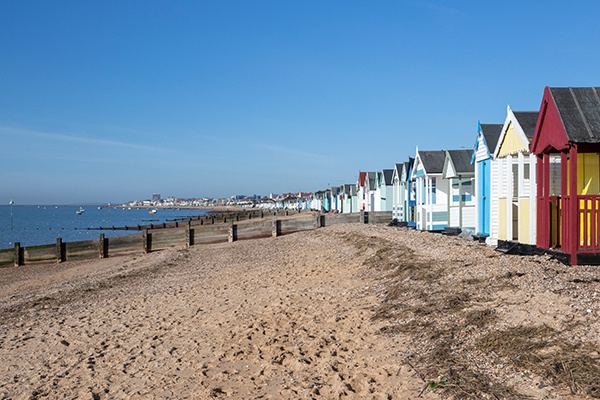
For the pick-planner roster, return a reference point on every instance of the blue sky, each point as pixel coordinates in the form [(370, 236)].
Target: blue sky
[(112, 101)]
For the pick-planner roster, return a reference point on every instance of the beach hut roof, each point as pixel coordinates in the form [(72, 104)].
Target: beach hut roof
[(371, 179), (527, 120), (433, 161), (491, 134), (579, 110), (461, 160), (386, 176)]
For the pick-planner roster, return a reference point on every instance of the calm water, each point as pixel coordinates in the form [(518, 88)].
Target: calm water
[(33, 225)]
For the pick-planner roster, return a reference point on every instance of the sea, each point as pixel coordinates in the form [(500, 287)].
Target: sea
[(43, 224)]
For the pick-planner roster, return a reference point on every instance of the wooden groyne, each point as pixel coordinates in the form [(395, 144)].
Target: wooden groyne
[(227, 227)]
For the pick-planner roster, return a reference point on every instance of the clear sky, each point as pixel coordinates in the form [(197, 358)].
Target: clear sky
[(110, 101)]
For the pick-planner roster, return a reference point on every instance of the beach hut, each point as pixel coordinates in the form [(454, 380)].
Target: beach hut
[(361, 190), (409, 193), (336, 197), (348, 197), (513, 181), (370, 191), (384, 196), (460, 175), (487, 139), (397, 204), (431, 190), (566, 143)]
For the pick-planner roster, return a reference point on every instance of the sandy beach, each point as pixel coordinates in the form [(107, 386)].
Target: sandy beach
[(348, 311)]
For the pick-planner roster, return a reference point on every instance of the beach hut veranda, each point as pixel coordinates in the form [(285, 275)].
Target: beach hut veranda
[(459, 173), (567, 145), (431, 190)]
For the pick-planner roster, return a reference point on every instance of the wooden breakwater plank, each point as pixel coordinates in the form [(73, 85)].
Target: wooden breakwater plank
[(41, 253), (84, 249), (123, 245), (297, 224), (163, 239), (253, 230), (380, 217), (7, 257), (335, 219), (211, 234)]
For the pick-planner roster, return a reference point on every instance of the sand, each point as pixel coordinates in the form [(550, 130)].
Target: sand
[(278, 318)]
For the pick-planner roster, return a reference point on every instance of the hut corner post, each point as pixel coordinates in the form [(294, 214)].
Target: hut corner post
[(573, 206)]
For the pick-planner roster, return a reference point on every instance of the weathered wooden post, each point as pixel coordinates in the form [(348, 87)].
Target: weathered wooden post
[(231, 238), (145, 241), (274, 226), (101, 246), (318, 220), (237, 217), (59, 250), (17, 254), (361, 218), (188, 234)]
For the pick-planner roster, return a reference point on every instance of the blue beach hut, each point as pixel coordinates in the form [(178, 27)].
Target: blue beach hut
[(487, 139)]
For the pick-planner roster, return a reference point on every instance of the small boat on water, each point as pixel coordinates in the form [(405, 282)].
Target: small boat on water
[(153, 211), (80, 211)]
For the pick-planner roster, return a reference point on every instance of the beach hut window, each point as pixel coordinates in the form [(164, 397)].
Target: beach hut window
[(433, 191), (554, 176)]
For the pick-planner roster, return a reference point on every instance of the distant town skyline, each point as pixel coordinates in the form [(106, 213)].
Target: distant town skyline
[(111, 101)]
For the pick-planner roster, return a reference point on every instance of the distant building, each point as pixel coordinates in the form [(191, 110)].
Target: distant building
[(156, 197)]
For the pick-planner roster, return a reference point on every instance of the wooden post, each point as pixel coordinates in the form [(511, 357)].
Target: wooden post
[(262, 214), (145, 241), (237, 217), (361, 218), (188, 234), (101, 246), (318, 220), (59, 250), (230, 238), (573, 206), (274, 226), (17, 254)]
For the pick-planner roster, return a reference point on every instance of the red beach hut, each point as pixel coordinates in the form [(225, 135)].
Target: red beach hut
[(567, 143)]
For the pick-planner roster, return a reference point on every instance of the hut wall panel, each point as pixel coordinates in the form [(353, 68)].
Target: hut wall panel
[(46, 252), (122, 245), (469, 217), (481, 152), (82, 249)]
